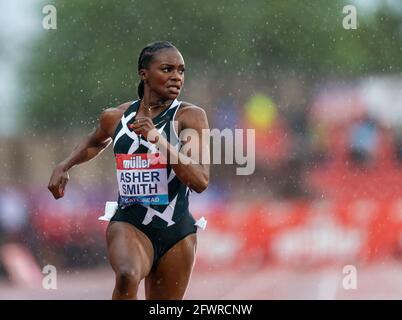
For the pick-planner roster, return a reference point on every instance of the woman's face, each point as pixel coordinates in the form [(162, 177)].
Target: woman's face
[(165, 74)]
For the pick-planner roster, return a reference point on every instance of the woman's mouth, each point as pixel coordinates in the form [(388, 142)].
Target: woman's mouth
[(175, 89)]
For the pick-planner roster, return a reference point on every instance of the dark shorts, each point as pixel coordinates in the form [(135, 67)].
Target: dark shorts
[(162, 239)]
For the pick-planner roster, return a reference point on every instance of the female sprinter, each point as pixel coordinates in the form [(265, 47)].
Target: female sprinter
[(152, 234)]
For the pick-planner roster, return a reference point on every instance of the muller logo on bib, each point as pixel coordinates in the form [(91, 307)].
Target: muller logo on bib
[(136, 163), (142, 178)]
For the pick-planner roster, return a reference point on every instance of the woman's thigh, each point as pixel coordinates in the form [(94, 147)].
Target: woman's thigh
[(129, 249), (169, 278)]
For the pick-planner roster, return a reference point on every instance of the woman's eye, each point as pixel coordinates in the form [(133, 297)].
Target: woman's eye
[(168, 69)]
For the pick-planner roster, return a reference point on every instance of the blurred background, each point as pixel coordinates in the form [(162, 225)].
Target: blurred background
[(326, 104)]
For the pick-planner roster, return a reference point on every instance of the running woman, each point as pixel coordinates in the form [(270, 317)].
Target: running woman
[(152, 234)]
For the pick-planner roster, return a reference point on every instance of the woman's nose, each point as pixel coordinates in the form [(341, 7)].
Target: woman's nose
[(176, 75)]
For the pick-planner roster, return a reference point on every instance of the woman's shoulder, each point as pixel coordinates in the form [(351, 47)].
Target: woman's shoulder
[(189, 108), (111, 116), (190, 115), (114, 111)]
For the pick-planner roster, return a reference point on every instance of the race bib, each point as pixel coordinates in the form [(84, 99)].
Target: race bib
[(142, 178)]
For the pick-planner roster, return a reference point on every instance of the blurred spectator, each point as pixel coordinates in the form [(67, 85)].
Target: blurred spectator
[(13, 214), (363, 138), (16, 260), (271, 130), (319, 144), (398, 144), (227, 114)]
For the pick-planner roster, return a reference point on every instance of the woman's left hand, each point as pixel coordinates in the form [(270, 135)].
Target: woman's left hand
[(145, 127)]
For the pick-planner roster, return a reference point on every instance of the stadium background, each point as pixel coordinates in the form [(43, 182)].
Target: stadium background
[(326, 104)]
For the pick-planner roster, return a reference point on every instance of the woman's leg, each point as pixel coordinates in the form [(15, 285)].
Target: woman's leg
[(169, 278), (131, 256)]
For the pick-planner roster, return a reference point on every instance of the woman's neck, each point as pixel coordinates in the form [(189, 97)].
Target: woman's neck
[(151, 103)]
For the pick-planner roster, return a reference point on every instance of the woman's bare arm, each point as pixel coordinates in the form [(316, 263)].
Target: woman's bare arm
[(89, 148), (189, 167)]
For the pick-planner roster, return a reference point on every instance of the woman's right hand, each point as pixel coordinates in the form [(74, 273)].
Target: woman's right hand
[(58, 181)]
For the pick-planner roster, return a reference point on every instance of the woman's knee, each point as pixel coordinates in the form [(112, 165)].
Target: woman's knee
[(127, 277)]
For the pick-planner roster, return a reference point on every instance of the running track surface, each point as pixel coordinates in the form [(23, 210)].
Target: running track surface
[(378, 281)]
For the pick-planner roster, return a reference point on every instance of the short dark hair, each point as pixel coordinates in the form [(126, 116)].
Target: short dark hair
[(147, 55)]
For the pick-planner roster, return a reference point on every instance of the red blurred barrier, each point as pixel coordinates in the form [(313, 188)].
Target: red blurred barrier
[(61, 225), (291, 233), (303, 234)]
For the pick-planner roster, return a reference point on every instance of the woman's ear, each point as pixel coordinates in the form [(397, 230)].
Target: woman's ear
[(143, 74)]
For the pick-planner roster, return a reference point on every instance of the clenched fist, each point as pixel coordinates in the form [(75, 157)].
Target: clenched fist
[(58, 181)]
